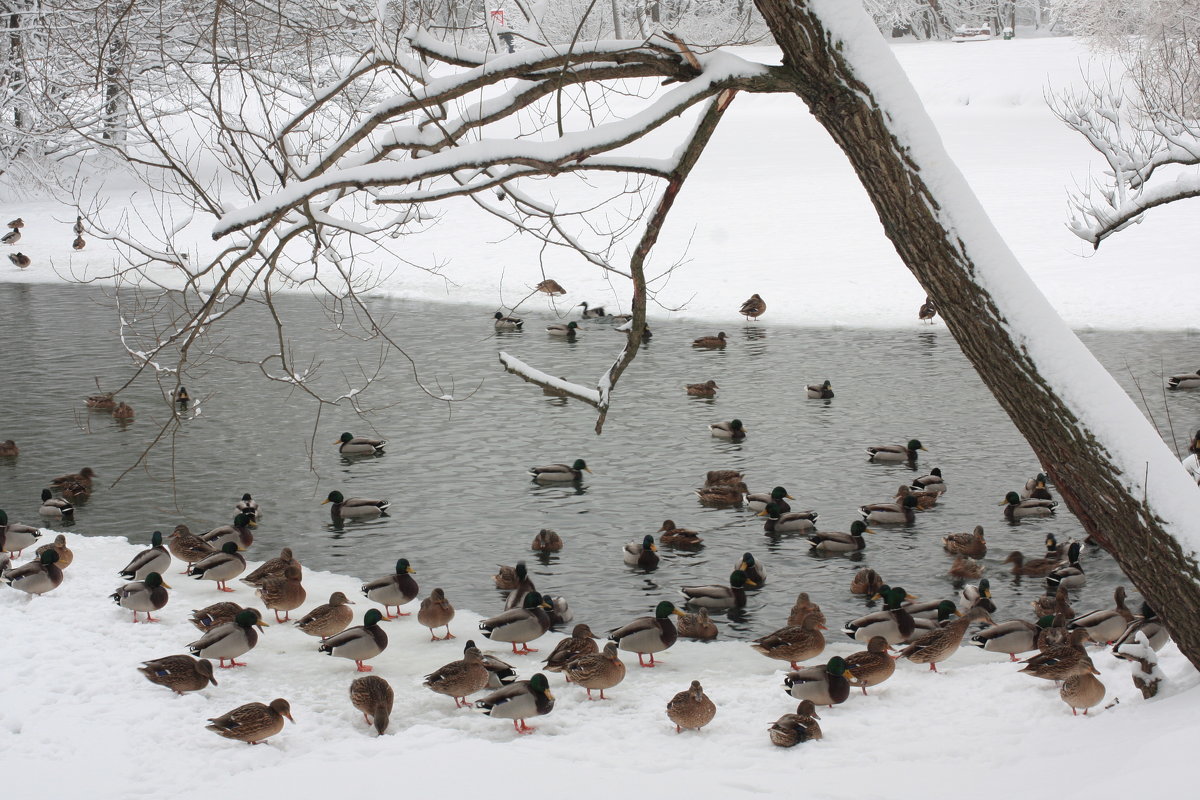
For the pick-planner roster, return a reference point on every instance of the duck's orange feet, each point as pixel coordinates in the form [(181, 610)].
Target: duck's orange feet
[(363, 667)]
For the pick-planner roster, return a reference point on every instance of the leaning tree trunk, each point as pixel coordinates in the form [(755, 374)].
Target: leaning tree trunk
[(914, 215)]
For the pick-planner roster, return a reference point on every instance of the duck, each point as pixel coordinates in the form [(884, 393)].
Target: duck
[(753, 308), (1071, 575), (547, 541), (37, 577), (563, 329), (793, 643), (1105, 625), (1146, 623), (754, 569), (180, 674), (733, 430), (591, 313), (792, 729), (827, 685), (351, 445), (238, 533), (939, 645), (460, 678), (101, 402), (581, 642), (522, 586), (902, 513), (779, 496), (787, 522), (220, 567), (9, 449), (500, 673), (15, 537), (253, 722), (723, 477), (895, 452), (148, 595), (643, 555), (648, 635), (355, 507), (328, 619), (12, 237), (1037, 567), (504, 323), (971, 544), (894, 622), (396, 589), (78, 226), (373, 696), (519, 625), (1187, 380), (965, 567), (359, 643), (283, 592), (85, 477), (272, 568), (720, 597), (188, 547), (550, 287), (872, 666), (248, 506), (1012, 637), (75, 491), (927, 311), (933, 482), (706, 389), (1015, 508), (520, 701), (122, 410), (596, 671), (925, 499), (53, 507), (831, 542), (78, 243), (723, 495), (691, 708), (979, 594), (559, 473), (59, 545), (20, 260), (1035, 488), (697, 625), (436, 612), (1061, 661), (820, 391), (227, 641), (866, 581), (674, 536), (804, 608), (1053, 602), (16, 223), (711, 342), (1082, 690), (209, 617), (182, 398)]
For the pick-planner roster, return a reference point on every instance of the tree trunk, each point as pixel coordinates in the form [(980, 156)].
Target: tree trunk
[(16, 69), (912, 212)]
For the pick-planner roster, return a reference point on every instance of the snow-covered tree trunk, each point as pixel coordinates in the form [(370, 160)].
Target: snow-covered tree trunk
[(1110, 465)]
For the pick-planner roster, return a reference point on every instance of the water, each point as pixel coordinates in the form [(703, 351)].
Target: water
[(461, 500)]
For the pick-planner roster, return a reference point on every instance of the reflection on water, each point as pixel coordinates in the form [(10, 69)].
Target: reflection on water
[(462, 501)]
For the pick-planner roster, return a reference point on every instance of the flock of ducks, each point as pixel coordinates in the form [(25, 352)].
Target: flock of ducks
[(16, 231)]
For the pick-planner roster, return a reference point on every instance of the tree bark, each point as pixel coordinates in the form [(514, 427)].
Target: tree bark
[(1081, 467)]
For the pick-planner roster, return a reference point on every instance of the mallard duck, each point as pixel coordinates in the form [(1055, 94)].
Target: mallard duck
[(248, 506), (83, 477), (180, 674), (872, 666), (938, 645), (1035, 488), (716, 596), (1187, 380), (792, 729), (359, 643), (760, 500), (328, 619), (754, 569), (674, 536), (1016, 508), (1053, 602), (902, 513), (12, 237), (54, 507), (933, 482), (803, 608), (122, 410), (1012, 637), (942, 614), (519, 625), (1061, 661), (927, 311), (460, 678), (396, 589), (253, 722), (925, 499), (550, 287), (9, 449), (351, 445), (723, 495), (505, 578), (15, 537), (591, 313), (971, 544), (1105, 625), (979, 594), (75, 492), (711, 342), (373, 696), (520, 701), (733, 430), (559, 473), (239, 533), (648, 635), (706, 389), (149, 596), (16, 223), (1146, 623), (500, 673), (101, 402), (504, 323), (1037, 566), (272, 568), (779, 521), (436, 612), (965, 567), (697, 625), (188, 547), (547, 541), (1082, 690), (866, 581), (59, 545), (793, 643), (596, 671), (209, 617), (283, 592), (643, 554), (894, 623), (227, 641), (724, 477), (753, 308), (832, 542), (820, 391), (895, 452), (522, 586), (36, 577), (220, 567), (827, 686), (691, 708), (355, 507), (1071, 575), (564, 329), (581, 642)]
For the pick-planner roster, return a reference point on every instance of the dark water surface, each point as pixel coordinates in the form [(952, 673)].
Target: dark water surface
[(461, 499)]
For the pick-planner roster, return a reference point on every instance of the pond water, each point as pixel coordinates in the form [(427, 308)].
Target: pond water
[(462, 501)]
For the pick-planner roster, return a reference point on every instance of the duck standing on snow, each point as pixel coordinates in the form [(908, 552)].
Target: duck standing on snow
[(15, 537), (883, 453), (559, 473), (793, 643), (149, 595), (872, 666), (691, 708), (239, 533), (351, 445), (272, 568), (940, 644), (328, 619), (153, 559), (581, 642), (253, 722), (520, 701), (596, 671), (1105, 625), (827, 686), (396, 589), (359, 643), (373, 696), (1146, 623), (792, 729), (1082, 690), (227, 641), (180, 674), (519, 625), (753, 308), (209, 617), (355, 507), (648, 635), (36, 577), (436, 612), (188, 547), (894, 623), (460, 678), (283, 592), (59, 545), (221, 567), (927, 311), (1012, 637), (697, 625), (1060, 662), (12, 237)]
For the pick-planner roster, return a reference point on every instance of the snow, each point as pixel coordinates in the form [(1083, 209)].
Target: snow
[(74, 698)]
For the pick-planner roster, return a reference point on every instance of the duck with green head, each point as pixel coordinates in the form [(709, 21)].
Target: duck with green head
[(833, 542), (239, 533), (15, 537), (643, 555), (753, 568), (520, 625), (1015, 508), (351, 445), (227, 641), (55, 507), (895, 452), (820, 391), (563, 329), (148, 596), (355, 507), (559, 473), (780, 521), (520, 701), (648, 635), (827, 686), (359, 643), (154, 559), (893, 623), (396, 589), (902, 513), (220, 567), (36, 577), (779, 496), (716, 596), (733, 430)]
